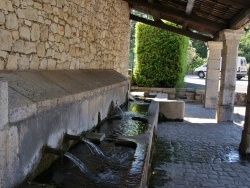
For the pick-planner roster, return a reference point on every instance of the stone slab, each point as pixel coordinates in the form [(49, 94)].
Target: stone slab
[(173, 109), (95, 137), (42, 85)]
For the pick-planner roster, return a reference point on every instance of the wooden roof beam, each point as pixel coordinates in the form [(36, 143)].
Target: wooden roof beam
[(190, 6), (171, 28), (177, 14), (202, 28), (156, 15), (240, 20), (189, 9)]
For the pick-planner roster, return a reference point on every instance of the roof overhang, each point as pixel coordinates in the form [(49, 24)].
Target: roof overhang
[(198, 19)]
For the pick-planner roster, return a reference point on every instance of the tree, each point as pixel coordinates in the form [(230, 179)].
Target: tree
[(244, 49), (197, 54), (160, 57), (201, 48)]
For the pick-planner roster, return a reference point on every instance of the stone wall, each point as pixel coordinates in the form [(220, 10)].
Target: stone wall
[(189, 94), (60, 34)]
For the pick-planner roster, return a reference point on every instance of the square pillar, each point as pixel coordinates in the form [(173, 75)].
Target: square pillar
[(3, 103), (230, 39), (213, 73), (245, 137), (3, 130)]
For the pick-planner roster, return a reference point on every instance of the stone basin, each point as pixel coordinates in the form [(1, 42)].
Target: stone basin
[(127, 163)]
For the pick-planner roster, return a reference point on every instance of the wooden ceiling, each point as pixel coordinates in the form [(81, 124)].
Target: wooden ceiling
[(198, 19)]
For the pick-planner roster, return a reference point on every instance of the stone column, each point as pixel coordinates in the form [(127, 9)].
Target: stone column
[(3, 103), (245, 137), (231, 39), (213, 74), (3, 131)]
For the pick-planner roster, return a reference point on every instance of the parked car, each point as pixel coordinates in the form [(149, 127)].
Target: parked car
[(241, 69)]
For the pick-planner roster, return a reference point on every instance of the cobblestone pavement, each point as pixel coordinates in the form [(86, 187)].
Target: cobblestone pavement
[(199, 152)]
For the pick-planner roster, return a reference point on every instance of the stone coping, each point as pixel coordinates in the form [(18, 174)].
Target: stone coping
[(32, 92)]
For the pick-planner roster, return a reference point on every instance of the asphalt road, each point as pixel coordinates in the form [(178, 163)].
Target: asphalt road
[(193, 81)]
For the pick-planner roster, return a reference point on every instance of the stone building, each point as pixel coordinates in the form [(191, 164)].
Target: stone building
[(62, 64)]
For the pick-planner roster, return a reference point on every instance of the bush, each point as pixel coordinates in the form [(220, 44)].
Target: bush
[(160, 57)]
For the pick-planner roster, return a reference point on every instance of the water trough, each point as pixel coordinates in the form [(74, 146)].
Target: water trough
[(116, 153)]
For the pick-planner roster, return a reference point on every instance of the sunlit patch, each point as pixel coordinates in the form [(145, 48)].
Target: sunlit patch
[(241, 123), (200, 120)]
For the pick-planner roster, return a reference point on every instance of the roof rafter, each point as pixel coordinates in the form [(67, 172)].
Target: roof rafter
[(171, 28), (202, 29), (156, 15), (240, 20), (190, 6), (169, 12)]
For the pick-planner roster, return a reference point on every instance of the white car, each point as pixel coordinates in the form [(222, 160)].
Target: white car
[(241, 69)]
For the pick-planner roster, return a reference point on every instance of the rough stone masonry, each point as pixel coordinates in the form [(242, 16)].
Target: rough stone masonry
[(56, 35), (60, 34)]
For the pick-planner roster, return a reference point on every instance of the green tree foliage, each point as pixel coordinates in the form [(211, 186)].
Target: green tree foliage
[(244, 46), (197, 53), (190, 55), (160, 57), (197, 61), (201, 48)]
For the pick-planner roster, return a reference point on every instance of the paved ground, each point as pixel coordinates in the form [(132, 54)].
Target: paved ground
[(199, 152), (193, 81)]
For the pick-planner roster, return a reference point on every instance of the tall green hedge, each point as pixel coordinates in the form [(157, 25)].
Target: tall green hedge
[(160, 57)]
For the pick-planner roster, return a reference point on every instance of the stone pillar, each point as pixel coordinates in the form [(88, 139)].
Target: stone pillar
[(245, 137), (213, 74), (3, 103), (231, 39), (3, 131)]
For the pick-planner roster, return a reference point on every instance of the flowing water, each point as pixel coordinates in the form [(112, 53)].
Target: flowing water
[(79, 164), (118, 109), (96, 149), (89, 170)]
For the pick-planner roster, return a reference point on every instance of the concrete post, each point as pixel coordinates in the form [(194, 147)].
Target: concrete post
[(231, 39), (245, 138), (213, 74), (3, 103)]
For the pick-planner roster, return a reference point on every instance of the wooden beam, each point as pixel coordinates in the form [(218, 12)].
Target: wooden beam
[(239, 4), (171, 28), (199, 28), (184, 26), (156, 15), (240, 20), (192, 19), (190, 6)]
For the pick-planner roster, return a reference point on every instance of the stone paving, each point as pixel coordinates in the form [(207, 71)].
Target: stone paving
[(199, 152)]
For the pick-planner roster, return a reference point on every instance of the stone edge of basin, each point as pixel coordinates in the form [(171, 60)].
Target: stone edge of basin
[(140, 169)]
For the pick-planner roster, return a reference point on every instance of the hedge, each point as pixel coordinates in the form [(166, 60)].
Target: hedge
[(160, 57)]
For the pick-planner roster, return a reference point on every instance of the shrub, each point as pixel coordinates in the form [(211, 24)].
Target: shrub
[(160, 57)]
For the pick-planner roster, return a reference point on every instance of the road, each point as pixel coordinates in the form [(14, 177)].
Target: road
[(193, 81)]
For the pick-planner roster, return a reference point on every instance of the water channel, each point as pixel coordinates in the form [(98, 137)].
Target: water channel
[(106, 164)]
